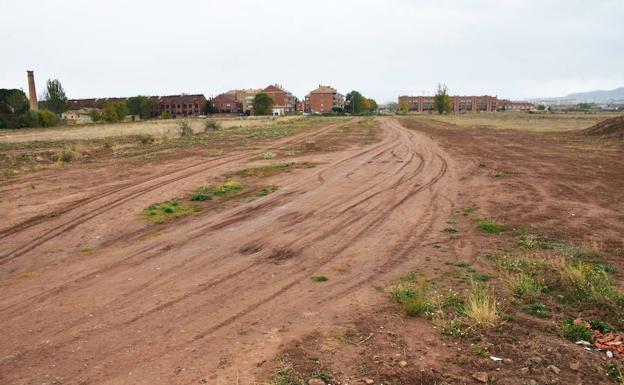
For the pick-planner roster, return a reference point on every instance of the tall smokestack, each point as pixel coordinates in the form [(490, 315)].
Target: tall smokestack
[(32, 93)]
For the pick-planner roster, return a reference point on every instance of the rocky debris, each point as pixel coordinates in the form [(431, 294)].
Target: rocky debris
[(613, 128), (369, 381), (576, 366), (613, 343), (554, 369), (525, 371), (402, 364), (481, 377), (316, 381)]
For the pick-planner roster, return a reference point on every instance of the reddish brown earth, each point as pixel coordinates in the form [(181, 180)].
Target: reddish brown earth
[(219, 297)]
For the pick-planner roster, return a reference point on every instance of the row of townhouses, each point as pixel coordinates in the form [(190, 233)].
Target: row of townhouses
[(324, 99), (465, 104)]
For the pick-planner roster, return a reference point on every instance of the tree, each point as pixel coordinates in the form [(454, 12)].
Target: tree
[(541, 107), (209, 109), (263, 104), (441, 100), (140, 105), (354, 102), (114, 111), (15, 110), (55, 97), (372, 105), (47, 118), (404, 107)]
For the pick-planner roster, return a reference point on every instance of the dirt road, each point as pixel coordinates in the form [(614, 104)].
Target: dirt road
[(209, 298)]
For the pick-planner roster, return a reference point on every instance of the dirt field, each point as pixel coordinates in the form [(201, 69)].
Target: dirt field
[(289, 275)]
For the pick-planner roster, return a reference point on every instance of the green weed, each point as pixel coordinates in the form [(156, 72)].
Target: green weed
[(537, 310), (319, 278), (166, 211), (412, 299), (490, 226)]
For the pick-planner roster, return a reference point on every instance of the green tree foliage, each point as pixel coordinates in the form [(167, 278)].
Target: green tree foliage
[(95, 115), (209, 109), (263, 104), (140, 105), (114, 111), (55, 97), (355, 103), (404, 107), (15, 110), (47, 118), (442, 100), (541, 107)]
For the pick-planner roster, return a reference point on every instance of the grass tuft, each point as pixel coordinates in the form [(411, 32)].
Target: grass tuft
[(481, 308), (319, 278)]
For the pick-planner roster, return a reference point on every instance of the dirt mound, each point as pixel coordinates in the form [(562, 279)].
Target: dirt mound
[(613, 127)]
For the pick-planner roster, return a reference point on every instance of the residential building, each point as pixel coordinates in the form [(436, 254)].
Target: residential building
[(180, 105), (245, 97), (459, 104), (323, 100), (283, 101), (226, 104)]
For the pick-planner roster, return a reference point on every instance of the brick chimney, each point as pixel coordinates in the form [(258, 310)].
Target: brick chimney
[(32, 93)]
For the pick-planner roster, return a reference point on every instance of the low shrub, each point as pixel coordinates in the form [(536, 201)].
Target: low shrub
[(185, 129), (413, 300), (211, 125), (574, 331)]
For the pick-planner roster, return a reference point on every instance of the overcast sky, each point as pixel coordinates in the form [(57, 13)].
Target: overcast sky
[(514, 49)]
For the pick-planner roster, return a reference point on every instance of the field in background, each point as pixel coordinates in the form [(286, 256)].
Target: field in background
[(167, 127), (520, 120)]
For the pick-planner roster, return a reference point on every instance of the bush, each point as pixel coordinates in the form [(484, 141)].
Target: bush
[(64, 156), (165, 115), (185, 129), (47, 118), (211, 125)]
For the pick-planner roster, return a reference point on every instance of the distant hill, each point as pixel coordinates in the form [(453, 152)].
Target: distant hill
[(598, 96)]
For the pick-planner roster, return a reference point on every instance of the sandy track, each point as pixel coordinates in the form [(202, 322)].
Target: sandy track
[(212, 297)]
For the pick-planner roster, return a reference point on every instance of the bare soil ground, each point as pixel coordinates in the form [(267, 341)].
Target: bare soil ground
[(93, 294)]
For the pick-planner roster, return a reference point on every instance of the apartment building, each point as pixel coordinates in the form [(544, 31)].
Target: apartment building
[(226, 104), (283, 101), (323, 100), (245, 97), (180, 105), (458, 103)]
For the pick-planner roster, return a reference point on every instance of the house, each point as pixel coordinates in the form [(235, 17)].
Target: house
[(79, 116), (226, 104), (283, 101), (324, 99), (180, 105)]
